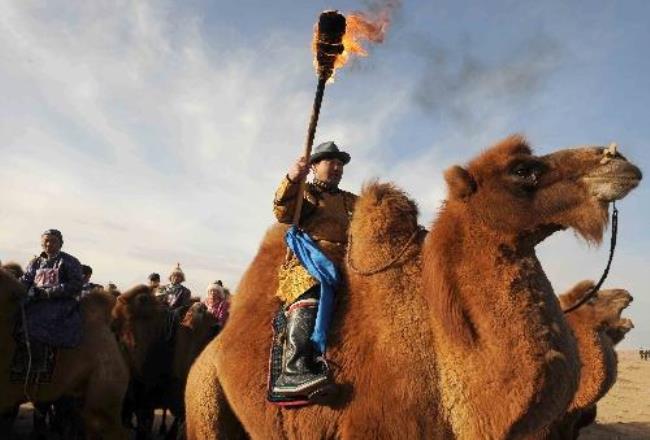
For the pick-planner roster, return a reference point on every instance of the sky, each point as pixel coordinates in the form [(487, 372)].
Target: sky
[(156, 132)]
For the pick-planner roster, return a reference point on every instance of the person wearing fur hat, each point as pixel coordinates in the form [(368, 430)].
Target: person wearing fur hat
[(175, 295), (217, 302), (325, 217)]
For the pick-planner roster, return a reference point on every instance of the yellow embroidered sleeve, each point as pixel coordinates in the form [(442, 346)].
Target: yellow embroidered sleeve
[(285, 200)]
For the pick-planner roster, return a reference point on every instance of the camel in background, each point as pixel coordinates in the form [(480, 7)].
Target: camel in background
[(159, 351), (598, 327), (460, 320), (94, 371)]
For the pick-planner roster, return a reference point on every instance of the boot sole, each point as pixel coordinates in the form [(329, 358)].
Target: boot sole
[(303, 390)]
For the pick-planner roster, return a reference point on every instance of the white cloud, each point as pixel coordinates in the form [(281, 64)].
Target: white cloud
[(148, 144)]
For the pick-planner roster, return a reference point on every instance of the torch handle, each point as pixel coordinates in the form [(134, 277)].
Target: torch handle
[(309, 142)]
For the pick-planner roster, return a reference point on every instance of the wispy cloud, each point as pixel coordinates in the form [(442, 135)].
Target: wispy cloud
[(151, 137)]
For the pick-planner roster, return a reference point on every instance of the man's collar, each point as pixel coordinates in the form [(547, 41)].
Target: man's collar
[(44, 255), (325, 187)]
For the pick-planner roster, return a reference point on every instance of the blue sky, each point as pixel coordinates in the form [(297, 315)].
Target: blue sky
[(156, 132)]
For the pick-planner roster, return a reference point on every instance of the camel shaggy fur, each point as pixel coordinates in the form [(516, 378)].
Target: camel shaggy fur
[(94, 371), (462, 318), (591, 324)]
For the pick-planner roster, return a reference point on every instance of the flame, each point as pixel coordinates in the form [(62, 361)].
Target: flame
[(360, 28)]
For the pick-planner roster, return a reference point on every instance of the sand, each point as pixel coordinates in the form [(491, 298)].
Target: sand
[(623, 414)]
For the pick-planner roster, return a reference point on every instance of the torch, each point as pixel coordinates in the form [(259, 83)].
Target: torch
[(329, 45)]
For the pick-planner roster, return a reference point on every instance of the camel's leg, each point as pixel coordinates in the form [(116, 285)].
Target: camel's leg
[(39, 419), (162, 430), (208, 415), (7, 420)]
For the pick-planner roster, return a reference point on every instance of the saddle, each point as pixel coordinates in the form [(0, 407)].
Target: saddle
[(49, 325)]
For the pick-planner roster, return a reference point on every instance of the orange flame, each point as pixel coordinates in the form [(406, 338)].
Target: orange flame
[(360, 28)]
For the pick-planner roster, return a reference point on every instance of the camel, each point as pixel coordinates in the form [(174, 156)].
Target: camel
[(14, 268), (94, 371), (159, 351), (592, 324), (460, 336)]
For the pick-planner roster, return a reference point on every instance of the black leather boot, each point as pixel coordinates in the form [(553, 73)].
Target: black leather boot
[(300, 376)]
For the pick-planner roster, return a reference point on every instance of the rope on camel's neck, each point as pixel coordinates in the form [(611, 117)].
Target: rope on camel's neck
[(612, 246)]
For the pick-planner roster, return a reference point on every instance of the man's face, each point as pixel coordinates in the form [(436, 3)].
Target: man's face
[(329, 171), (51, 245), (154, 283), (175, 278)]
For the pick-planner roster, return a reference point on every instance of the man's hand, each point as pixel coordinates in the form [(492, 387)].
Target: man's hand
[(298, 170), (35, 293)]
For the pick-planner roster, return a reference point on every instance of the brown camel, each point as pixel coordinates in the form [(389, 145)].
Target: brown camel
[(95, 371), (14, 268), (592, 323), (160, 350), (464, 339)]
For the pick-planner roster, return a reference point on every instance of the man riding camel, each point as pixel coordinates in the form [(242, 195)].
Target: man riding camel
[(325, 217), (175, 295), (54, 280), (53, 274), (88, 286)]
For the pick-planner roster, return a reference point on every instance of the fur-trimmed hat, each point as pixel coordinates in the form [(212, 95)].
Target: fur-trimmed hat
[(177, 271), (217, 285)]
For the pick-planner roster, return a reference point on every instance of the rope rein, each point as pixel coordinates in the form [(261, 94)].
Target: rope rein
[(29, 352), (392, 261), (612, 246)]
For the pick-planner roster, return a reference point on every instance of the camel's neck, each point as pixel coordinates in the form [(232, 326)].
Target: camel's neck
[(497, 326), (476, 279), (8, 314), (598, 362)]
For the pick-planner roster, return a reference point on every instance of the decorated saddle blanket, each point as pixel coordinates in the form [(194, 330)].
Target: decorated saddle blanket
[(55, 322)]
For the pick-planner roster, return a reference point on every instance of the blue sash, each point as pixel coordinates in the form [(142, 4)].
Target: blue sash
[(324, 271)]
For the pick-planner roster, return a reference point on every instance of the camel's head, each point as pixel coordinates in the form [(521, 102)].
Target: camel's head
[(10, 289), (14, 268), (136, 321), (603, 311), (510, 190)]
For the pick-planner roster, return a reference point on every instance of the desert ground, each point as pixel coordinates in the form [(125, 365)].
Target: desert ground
[(624, 414)]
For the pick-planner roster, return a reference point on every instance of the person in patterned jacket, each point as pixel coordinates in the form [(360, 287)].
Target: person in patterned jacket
[(52, 317), (325, 217), (54, 273), (174, 294)]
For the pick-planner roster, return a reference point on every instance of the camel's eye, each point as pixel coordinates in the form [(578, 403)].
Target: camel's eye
[(527, 172)]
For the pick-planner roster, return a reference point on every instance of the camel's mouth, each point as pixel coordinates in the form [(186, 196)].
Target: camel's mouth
[(625, 324), (614, 180)]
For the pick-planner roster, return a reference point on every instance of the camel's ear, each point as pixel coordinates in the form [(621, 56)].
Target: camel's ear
[(460, 182)]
